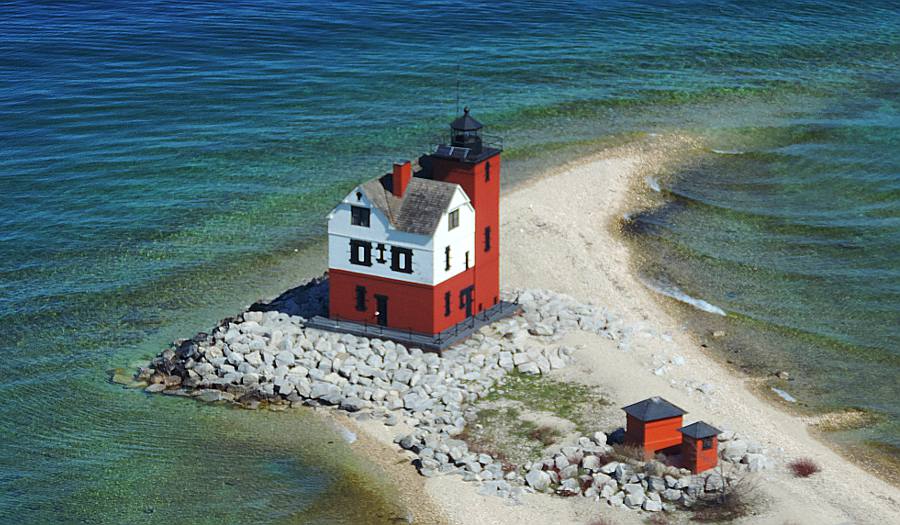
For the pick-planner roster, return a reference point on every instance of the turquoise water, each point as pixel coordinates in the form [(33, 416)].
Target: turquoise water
[(164, 164)]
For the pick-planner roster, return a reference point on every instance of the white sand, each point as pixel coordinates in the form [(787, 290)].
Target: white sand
[(558, 232)]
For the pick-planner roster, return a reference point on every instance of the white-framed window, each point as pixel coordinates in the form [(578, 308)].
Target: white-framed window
[(453, 219)]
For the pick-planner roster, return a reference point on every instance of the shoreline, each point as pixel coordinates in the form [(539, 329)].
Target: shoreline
[(627, 194), (585, 257)]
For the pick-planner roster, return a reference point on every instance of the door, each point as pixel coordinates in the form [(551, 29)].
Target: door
[(465, 299), (381, 306)]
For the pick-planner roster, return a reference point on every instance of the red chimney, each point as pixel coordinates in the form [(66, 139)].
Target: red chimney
[(400, 178)]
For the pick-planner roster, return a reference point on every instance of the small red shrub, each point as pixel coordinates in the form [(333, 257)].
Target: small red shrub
[(804, 467)]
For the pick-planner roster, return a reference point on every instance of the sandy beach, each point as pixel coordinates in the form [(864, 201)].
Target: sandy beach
[(560, 232)]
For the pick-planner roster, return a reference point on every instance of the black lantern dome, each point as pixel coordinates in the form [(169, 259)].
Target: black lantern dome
[(465, 132)]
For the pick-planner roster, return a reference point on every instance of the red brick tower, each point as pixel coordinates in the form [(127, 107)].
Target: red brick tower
[(475, 165)]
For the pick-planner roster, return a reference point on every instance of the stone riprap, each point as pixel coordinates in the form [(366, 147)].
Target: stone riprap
[(268, 355), (592, 469)]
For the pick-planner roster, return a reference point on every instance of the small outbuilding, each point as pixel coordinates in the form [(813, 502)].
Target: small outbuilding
[(653, 425), (699, 446)]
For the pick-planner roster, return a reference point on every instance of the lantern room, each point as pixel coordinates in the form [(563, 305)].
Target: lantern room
[(653, 425), (699, 446), (465, 132)]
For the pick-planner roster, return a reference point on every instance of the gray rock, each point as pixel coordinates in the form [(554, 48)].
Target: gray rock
[(633, 488), (326, 392), (591, 462), (211, 396), (756, 462), (154, 388), (284, 358), (652, 505), (569, 472), (352, 404), (570, 486), (407, 442), (733, 451), (617, 499), (529, 368), (671, 495), (601, 479), (622, 472), (538, 480), (713, 482), (561, 461), (607, 491), (541, 329), (610, 467), (635, 500), (655, 484)]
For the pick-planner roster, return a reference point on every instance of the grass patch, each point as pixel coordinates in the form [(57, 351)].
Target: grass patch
[(575, 402), (502, 433)]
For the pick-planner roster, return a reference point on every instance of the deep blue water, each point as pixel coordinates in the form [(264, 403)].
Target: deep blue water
[(164, 164)]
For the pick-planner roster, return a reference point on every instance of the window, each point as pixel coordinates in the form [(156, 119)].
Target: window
[(360, 252), (487, 172), (359, 216), (447, 258), (487, 238), (401, 259), (447, 304), (707, 443), (467, 260), (454, 219), (361, 298)]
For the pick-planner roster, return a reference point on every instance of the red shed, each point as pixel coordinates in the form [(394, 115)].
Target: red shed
[(699, 446), (652, 424)]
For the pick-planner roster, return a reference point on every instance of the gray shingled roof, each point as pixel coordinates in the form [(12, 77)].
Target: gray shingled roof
[(653, 409), (421, 207), (699, 430)]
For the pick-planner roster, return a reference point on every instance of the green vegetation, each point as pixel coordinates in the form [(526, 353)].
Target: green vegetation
[(502, 433), (574, 402), (504, 427)]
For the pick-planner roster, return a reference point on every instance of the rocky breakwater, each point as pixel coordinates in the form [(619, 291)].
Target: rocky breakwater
[(593, 469), (268, 357), (271, 357)]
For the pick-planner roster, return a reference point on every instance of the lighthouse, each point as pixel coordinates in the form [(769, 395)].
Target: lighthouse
[(414, 255)]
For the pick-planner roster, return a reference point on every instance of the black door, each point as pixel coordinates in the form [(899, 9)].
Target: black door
[(465, 299), (381, 309)]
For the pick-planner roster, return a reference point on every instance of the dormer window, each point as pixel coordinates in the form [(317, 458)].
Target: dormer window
[(359, 216), (453, 219)]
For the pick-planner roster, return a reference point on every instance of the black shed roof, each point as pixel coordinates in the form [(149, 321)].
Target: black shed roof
[(466, 122), (699, 430), (652, 409)]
